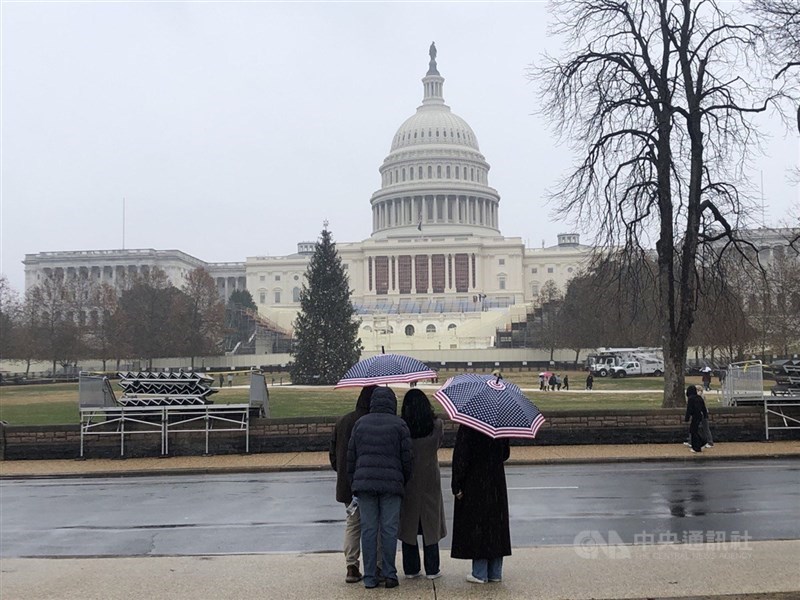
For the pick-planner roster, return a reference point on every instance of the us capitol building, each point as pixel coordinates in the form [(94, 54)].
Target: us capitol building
[(436, 273)]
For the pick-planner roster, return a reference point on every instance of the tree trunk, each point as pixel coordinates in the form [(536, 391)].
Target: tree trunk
[(577, 356), (674, 381), (104, 365), (27, 367)]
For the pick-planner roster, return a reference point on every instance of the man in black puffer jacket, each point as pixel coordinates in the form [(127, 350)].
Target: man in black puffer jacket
[(379, 459)]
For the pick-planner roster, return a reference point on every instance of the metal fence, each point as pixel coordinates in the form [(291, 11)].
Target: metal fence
[(744, 383)]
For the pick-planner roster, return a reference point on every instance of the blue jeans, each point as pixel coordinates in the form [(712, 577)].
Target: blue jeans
[(487, 569), (379, 512), (411, 559)]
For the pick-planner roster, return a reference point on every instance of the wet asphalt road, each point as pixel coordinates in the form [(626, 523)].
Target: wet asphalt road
[(641, 503)]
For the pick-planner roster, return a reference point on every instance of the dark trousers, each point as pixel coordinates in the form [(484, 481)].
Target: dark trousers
[(411, 559), (694, 433)]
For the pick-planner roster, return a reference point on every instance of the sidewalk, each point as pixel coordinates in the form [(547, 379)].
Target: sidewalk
[(296, 461), (762, 570)]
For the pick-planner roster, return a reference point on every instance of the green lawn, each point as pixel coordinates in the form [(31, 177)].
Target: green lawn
[(58, 403)]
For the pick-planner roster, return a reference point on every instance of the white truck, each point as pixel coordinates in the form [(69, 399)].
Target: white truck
[(603, 363), (635, 367)]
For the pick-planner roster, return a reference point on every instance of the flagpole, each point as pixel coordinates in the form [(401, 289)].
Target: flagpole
[(123, 222)]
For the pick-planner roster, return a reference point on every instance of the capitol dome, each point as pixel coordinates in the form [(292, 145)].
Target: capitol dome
[(435, 179)]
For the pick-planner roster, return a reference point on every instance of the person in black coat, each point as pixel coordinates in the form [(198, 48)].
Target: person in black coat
[(480, 516), (696, 411), (379, 463), (338, 457)]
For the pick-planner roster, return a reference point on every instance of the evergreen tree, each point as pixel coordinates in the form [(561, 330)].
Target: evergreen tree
[(326, 329)]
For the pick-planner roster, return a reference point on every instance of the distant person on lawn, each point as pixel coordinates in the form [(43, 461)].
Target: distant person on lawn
[(696, 412)]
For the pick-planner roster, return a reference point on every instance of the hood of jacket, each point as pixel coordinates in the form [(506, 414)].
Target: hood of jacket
[(383, 401), (363, 402)]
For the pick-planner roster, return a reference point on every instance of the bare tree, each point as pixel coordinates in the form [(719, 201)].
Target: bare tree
[(10, 311), (547, 330), (780, 22), (657, 98), (202, 314)]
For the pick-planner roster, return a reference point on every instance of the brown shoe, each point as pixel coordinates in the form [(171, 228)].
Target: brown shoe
[(353, 574)]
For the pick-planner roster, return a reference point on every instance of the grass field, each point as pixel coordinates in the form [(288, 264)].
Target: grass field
[(56, 404)]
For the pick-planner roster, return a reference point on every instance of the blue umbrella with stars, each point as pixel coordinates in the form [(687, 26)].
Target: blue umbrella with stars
[(385, 369), (490, 405)]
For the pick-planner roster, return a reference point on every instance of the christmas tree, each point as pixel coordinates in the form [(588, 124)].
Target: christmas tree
[(326, 328)]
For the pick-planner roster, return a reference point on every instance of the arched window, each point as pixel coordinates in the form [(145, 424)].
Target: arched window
[(411, 174), (452, 327), (430, 328), (430, 172), (457, 172), (404, 173), (419, 173), (409, 330), (367, 328), (439, 171), (447, 172), (296, 294)]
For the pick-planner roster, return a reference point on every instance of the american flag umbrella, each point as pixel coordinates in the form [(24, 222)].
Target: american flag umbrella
[(386, 368), (492, 406)]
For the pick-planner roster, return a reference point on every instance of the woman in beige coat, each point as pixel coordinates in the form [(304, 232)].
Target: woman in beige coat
[(422, 511)]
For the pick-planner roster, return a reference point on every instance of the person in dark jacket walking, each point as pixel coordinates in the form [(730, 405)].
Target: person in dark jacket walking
[(480, 515), (422, 510), (566, 382), (589, 382), (338, 457), (696, 411), (379, 463)]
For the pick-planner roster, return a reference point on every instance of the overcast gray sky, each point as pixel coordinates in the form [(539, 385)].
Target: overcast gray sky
[(233, 130)]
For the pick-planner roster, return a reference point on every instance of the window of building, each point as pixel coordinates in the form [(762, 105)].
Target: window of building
[(367, 328), (430, 172), (296, 277), (277, 296), (534, 270), (262, 278), (451, 327), (419, 173), (569, 270), (430, 328), (262, 297), (502, 283), (411, 174), (296, 294), (409, 330), (439, 171), (277, 277), (457, 172), (502, 261), (404, 173), (549, 269), (535, 289), (447, 172)]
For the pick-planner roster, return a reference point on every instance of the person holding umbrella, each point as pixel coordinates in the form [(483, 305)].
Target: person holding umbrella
[(422, 511), (489, 411), (480, 514), (338, 458)]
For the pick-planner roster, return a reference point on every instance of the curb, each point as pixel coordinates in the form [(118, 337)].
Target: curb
[(300, 468)]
